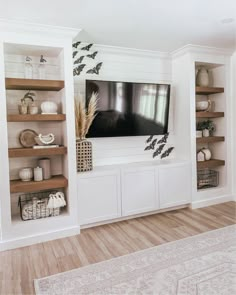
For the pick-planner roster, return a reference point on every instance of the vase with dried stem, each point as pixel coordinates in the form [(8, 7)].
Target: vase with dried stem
[(83, 120)]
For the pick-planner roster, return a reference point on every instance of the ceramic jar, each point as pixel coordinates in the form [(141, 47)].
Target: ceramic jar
[(202, 78), (38, 174), (199, 133), (33, 110), (45, 164), (26, 174), (49, 107)]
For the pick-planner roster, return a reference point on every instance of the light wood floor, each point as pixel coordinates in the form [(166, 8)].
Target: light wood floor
[(19, 267)]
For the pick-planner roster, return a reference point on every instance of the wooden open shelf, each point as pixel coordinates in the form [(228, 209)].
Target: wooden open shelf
[(30, 152), (39, 117), (34, 84), (210, 139), (209, 90), (210, 164), (57, 181), (209, 114)]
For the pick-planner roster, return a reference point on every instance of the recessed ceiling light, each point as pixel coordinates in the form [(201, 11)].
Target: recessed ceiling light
[(227, 20)]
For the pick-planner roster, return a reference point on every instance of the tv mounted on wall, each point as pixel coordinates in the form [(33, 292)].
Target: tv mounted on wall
[(129, 109)]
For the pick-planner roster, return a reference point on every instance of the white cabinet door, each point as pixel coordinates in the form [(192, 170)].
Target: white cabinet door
[(139, 192), (99, 197), (174, 185)]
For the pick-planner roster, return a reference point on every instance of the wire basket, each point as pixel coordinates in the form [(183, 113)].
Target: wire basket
[(34, 206), (207, 178)]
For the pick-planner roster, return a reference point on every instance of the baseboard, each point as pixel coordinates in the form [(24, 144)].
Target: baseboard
[(30, 240), (212, 201)]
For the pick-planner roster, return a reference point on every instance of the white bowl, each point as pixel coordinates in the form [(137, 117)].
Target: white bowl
[(49, 107), (202, 105), (45, 139)]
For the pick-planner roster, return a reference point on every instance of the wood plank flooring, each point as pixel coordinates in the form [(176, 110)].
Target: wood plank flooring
[(19, 267)]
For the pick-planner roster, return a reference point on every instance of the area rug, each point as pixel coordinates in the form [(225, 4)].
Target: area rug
[(200, 265)]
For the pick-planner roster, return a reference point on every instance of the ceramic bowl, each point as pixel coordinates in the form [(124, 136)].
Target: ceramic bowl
[(45, 139), (49, 107), (202, 105)]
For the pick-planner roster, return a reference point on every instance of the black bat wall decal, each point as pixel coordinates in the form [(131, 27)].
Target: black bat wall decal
[(95, 70), (149, 138), (78, 69), (79, 60), (164, 138), (93, 55), (74, 54), (151, 146), (158, 150), (167, 152), (76, 44), (87, 47)]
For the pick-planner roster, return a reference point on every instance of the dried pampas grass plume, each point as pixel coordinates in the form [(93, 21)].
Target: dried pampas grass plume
[(83, 117)]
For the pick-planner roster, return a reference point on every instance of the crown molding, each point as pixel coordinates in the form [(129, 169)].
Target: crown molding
[(191, 48), (131, 51), (7, 26)]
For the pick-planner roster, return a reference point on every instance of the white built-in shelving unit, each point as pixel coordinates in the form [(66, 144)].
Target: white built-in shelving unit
[(16, 42)]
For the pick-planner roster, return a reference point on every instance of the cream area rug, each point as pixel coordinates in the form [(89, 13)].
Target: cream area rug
[(200, 265)]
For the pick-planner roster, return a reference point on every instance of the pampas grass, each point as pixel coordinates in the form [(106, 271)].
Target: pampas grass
[(83, 117)]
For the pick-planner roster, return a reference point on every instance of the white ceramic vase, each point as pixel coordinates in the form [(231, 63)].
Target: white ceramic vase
[(26, 174), (202, 77), (49, 107), (206, 133)]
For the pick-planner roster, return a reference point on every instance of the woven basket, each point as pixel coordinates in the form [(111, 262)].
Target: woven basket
[(84, 155)]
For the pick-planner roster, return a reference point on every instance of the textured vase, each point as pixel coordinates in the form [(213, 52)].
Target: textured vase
[(84, 155), (49, 107), (202, 77), (26, 174)]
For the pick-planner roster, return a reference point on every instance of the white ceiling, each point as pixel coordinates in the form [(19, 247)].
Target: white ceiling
[(163, 25)]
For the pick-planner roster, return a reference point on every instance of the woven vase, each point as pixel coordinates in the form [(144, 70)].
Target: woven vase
[(84, 155)]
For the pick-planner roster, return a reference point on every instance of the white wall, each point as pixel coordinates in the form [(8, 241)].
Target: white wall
[(120, 64)]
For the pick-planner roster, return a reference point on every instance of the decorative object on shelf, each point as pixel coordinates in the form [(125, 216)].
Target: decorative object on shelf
[(167, 152), (26, 174), (38, 174), (158, 150), (203, 105), (42, 68), (26, 101), (83, 120), (202, 78), (27, 138), (49, 107), (45, 139), (203, 154), (89, 65), (207, 127), (28, 71), (45, 164), (56, 200), (34, 206), (198, 133), (207, 178)]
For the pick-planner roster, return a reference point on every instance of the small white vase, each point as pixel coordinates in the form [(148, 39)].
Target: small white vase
[(26, 174), (205, 133), (49, 107), (202, 77)]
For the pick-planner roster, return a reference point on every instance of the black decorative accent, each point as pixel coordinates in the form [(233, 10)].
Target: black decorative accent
[(151, 146), (167, 152), (158, 150), (74, 54), (93, 55), (95, 70), (76, 44), (164, 138), (79, 60), (87, 47), (149, 138), (78, 69)]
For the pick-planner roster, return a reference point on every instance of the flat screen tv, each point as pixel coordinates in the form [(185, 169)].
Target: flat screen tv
[(129, 109)]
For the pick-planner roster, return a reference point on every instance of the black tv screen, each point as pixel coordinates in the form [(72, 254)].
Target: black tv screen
[(129, 109)]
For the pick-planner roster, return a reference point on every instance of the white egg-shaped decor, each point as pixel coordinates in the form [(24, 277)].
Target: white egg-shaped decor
[(49, 107)]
